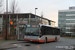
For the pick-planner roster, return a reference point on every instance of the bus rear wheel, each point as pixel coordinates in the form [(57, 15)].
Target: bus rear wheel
[(45, 39), (55, 39)]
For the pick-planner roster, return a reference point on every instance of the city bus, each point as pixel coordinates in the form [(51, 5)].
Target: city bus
[(41, 33)]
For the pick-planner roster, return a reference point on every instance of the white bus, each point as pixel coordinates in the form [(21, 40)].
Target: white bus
[(41, 33)]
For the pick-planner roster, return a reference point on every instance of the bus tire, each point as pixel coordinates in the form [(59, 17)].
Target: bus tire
[(45, 39), (55, 39)]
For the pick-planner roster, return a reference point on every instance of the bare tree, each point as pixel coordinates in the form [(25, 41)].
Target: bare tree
[(14, 7), (1, 4)]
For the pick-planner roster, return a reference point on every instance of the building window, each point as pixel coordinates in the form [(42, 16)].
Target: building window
[(32, 16)]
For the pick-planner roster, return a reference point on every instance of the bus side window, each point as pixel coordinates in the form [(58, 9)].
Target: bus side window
[(45, 30), (42, 30), (51, 31), (48, 31), (55, 32)]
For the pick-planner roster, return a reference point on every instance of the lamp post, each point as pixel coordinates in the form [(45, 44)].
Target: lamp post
[(35, 14), (7, 6), (6, 18), (35, 10)]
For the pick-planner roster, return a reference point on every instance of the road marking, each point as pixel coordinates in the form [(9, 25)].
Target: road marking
[(65, 47), (18, 45)]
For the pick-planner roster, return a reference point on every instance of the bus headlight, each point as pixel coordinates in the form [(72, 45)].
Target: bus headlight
[(39, 38)]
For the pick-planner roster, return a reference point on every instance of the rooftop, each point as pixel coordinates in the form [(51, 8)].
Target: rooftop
[(24, 14)]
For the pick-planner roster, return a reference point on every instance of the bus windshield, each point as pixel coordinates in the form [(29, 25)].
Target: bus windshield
[(32, 31)]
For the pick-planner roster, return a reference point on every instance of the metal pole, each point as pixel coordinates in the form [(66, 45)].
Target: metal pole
[(2, 24), (6, 28), (7, 6), (41, 19), (17, 29), (9, 24), (35, 12), (29, 18), (18, 34), (6, 17), (35, 15)]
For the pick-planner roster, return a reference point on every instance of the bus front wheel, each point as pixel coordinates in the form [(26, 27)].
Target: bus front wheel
[(45, 39)]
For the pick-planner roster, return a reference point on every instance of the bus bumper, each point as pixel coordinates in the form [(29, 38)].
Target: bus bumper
[(34, 40)]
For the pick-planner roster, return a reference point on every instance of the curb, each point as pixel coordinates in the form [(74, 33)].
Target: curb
[(10, 45), (17, 42), (7, 48)]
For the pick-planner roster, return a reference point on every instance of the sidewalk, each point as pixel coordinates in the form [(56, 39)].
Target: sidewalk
[(8, 44)]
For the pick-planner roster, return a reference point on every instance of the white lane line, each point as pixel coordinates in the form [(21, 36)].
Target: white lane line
[(18, 45)]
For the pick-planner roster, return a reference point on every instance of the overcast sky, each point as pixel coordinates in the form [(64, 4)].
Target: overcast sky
[(48, 7)]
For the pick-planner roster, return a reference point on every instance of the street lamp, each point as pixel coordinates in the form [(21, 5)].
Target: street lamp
[(6, 6), (35, 10), (35, 14)]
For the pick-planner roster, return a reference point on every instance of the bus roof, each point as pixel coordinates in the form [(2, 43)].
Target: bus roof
[(48, 26)]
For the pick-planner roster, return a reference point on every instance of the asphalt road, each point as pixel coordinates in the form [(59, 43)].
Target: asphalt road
[(62, 44)]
